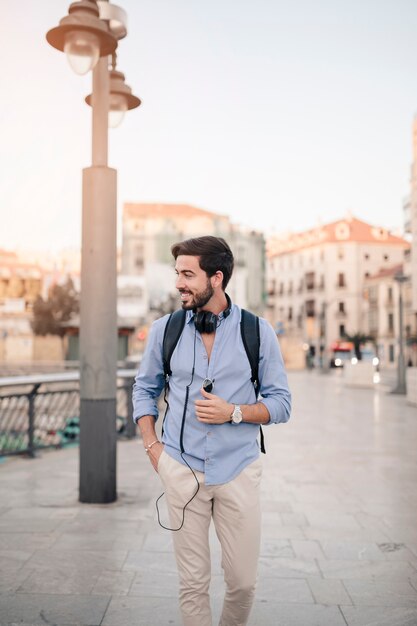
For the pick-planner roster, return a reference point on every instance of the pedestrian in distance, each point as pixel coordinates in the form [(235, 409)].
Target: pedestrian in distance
[(218, 396)]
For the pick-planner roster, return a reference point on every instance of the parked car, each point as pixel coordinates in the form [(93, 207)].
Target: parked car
[(342, 351)]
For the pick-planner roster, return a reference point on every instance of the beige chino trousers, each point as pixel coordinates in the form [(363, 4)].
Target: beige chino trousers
[(235, 510)]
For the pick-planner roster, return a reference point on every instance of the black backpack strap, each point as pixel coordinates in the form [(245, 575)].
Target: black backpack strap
[(261, 432), (249, 328), (172, 333)]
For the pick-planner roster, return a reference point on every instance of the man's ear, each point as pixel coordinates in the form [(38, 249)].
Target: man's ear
[(217, 279)]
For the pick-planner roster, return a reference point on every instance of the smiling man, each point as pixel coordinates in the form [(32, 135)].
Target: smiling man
[(209, 457)]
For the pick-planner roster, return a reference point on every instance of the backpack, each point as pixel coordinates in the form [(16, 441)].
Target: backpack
[(249, 329)]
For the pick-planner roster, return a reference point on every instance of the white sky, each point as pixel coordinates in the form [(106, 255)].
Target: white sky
[(278, 114)]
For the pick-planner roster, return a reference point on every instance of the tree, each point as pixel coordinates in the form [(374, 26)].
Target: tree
[(49, 315), (358, 339)]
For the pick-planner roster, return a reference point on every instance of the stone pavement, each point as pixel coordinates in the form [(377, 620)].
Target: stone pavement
[(339, 526)]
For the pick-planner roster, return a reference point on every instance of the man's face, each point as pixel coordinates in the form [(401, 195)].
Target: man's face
[(192, 282)]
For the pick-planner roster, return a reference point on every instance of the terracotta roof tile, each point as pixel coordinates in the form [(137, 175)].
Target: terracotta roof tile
[(345, 230)]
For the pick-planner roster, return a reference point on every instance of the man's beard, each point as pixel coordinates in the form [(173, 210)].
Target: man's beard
[(199, 299)]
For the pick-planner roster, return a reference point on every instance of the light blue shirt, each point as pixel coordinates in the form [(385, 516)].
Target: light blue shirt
[(221, 451)]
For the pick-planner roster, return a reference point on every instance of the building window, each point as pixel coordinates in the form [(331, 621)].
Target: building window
[(366, 275), (310, 308), (366, 256), (391, 353), (342, 307), (341, 280), (386, 257), (389, 294), (139, 257), (309, 280), (390, 322), (342, 330), (373, 322), (340, 252), (290, 314)]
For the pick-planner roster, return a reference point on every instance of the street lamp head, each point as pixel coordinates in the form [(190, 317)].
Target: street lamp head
[(121, 98), (83, 36)]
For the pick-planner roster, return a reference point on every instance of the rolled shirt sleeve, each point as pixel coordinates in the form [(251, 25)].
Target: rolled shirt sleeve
[(149, 380), (274, 390)]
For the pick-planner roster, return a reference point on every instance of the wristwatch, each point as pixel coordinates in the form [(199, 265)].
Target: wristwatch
[(236, 417)]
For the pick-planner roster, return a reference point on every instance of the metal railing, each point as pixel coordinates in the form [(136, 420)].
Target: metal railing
[(42, 411)]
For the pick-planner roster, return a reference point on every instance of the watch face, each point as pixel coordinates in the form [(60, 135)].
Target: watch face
[(237, 415)]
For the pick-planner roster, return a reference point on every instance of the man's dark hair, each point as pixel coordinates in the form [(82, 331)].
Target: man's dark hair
[(213, 252)]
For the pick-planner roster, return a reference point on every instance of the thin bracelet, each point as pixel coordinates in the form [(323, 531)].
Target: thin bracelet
[(147, 448)]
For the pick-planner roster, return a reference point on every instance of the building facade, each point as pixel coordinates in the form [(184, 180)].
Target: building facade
[(316, 282), (149, 231), (24, 276), (382, 300)]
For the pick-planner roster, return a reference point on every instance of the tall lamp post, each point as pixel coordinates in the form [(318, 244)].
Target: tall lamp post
[(88, 35), (324, 355), (401, 387)]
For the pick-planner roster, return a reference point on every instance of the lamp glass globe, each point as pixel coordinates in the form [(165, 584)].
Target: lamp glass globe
[(83, 50), (118, 108)]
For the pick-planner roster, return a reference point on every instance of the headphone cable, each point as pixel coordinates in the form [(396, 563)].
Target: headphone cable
[(187, 391)]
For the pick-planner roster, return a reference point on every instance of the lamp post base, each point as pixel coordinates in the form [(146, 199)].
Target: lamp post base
[(98, 461)]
